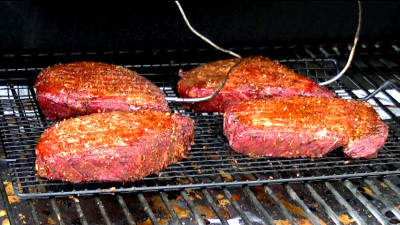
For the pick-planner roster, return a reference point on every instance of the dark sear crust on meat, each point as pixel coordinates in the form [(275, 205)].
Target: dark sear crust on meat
[(80, 88), (304, 127), (113, 146), (255, 77)]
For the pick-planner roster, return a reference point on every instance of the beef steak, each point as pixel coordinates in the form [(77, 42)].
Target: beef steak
[(304, 127), (80, 88), (113, 146), (255, 77)]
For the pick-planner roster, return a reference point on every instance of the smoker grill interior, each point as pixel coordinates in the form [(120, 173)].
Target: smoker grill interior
[(213, 185)]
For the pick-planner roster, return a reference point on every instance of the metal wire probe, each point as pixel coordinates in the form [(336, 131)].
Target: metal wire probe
[(353, 49), (193, 100), (207, 98), (390, 83), (222, 84)]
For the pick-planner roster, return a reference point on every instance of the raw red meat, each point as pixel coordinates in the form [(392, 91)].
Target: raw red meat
[(255, 77), (80, 88), (113, 146), (304, 127)]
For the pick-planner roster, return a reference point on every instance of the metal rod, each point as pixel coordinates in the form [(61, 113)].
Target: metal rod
[(342, 201), (236, 206), (366, 203), (102, 210), (126, 211), (285, 212), (257, 203), (192, 208), (78, 207), (214, 207), (164, 197), (302, 205), (394, 188), (33, 213), (382, 198), (56, 211), (321, 201), (147, 209)]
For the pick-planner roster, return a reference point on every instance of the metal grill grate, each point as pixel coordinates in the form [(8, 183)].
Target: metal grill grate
[(364, 201), (211, 163)]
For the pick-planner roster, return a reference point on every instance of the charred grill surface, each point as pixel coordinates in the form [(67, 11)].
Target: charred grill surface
[(113, 146), (80, 88), (255, 77), (304, 127)]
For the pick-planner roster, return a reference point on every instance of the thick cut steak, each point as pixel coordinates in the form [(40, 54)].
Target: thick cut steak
[(113, 146), (304, 127), (255, 77), (80, 88)]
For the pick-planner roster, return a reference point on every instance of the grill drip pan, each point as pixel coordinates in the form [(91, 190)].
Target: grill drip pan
[(211, 163)]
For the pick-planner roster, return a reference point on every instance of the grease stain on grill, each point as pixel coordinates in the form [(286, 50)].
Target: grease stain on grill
[(149, 222), (366, 192), (291, 207), (263, 196), (6, 221), (10, 193), (205, 211), (160, 209), (346, 219)]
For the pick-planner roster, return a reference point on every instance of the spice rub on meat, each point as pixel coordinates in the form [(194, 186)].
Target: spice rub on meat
[(255, 77), (113, 146), (80, 88), (304, 127)]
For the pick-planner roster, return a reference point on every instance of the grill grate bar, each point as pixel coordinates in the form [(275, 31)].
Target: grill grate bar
[(328, 209), (81, 215), (342, 201), (56, 211), (125, 209), (284, 211), (167, 203), (382, 198), (192, 208), (392, 187), (254, 200), (366, 203), (102, 210), (214, 207), (235, 205), (301, 203), (32, 211), (147, 209)]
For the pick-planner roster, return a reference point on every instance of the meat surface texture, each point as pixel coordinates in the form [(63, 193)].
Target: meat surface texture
[(304, 127), (80, 88), (113, 146), (254, 77)]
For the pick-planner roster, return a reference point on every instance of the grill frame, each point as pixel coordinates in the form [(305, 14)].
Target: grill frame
[(228, 178)]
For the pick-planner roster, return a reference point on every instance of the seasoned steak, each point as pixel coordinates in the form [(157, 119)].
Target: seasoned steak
[(255, 77), (113, 146), (304, 127), (80, 88)]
